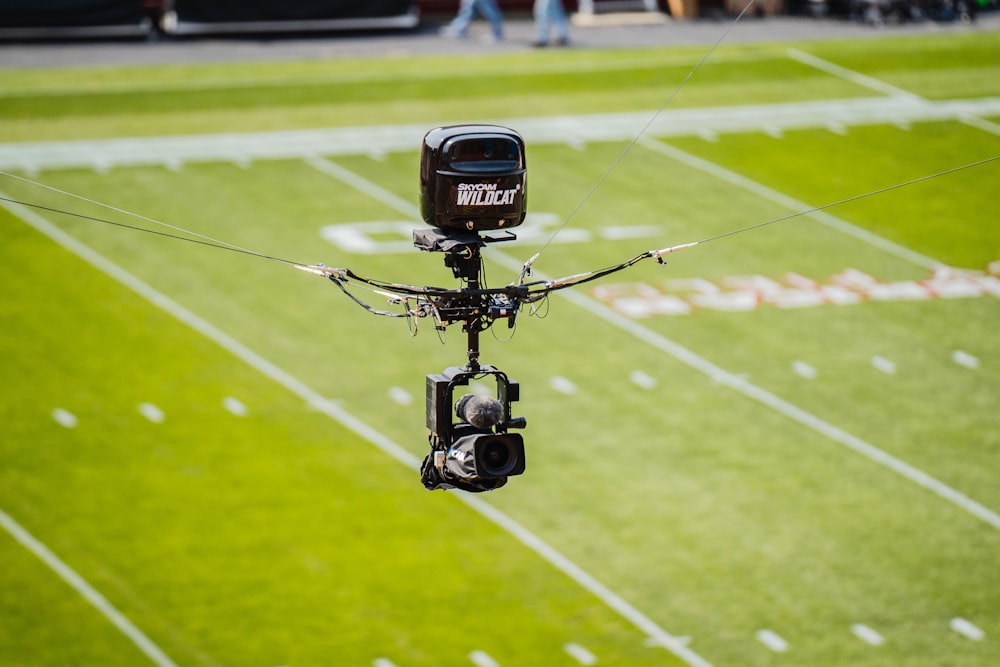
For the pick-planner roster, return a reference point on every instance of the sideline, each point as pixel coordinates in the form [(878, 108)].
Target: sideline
[(550, 554), (573, 130), (89, 593)]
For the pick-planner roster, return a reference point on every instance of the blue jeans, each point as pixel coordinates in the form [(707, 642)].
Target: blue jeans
[(550, 13), (469, 8)]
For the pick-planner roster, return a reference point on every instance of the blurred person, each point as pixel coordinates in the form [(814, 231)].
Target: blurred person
[(550, 14), (467, 10)]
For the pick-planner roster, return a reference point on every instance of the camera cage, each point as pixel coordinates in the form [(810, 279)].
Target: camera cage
[(440, 404), (460, 452)]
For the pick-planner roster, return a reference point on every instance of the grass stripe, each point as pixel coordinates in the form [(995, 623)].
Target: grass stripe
[(89, 593)]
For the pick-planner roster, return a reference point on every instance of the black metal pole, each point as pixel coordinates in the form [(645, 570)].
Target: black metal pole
[(472, 325)]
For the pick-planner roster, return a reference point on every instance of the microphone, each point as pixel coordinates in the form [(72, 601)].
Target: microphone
[(480, 411)]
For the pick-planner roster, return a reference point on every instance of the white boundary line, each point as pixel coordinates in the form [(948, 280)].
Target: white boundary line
[(886, 88), (576, 131), (331, 409), (89, 593), (715, 372), (794, 205), (858, 78)]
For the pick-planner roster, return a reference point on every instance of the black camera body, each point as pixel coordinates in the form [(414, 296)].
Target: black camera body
[(473, 178), (471, 458)]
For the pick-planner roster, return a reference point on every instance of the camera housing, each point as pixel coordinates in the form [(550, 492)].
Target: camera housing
[(462, 455), (473, 178)]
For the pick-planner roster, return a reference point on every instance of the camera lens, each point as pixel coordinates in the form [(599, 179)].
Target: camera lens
[(496, 454)]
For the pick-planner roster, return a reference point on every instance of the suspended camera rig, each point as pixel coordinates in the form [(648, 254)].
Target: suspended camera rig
[(472, 180)]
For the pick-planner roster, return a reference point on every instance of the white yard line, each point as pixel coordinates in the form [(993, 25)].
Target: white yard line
[(400, 396), (885, 88), (802, 369), (580, 654), (241, 148), (235, 406), (334, 411), (65, 418), (772, 640), (718, 374), (887, 366), (965, 359), (967, 629), (790, 203), (642, 380), (89, 593), (482, 659), (152, 413), (867, 635), (858, 78), (563, 385)]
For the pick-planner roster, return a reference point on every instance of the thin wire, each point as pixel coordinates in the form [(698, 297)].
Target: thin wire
[(853, 198), (217, 242), (642, 131), (210, 243)]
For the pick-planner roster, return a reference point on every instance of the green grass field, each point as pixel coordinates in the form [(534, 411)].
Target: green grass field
[(736, 483)]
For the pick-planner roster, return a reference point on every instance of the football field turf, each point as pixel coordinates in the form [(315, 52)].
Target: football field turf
[(782, 448)]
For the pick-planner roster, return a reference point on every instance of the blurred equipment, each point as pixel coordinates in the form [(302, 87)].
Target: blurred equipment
[(193, 17), (46, 19)]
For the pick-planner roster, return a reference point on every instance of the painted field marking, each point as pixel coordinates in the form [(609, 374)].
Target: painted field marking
[(235, 406), (65, 418), (793, 205), (850, 75), (400, 395), (336, 412), (152, 413), (89, 593), (867, 635), (680, 639), (642, 380), (802, 369), (563, 385), (580, 654), (967, 629), (383, 662), (837, 128), (980, 123), (482, 659), (766, 398), (882, 364), (717, 373), (885, 88), (772, 640), (965, 359), (575, 131)]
